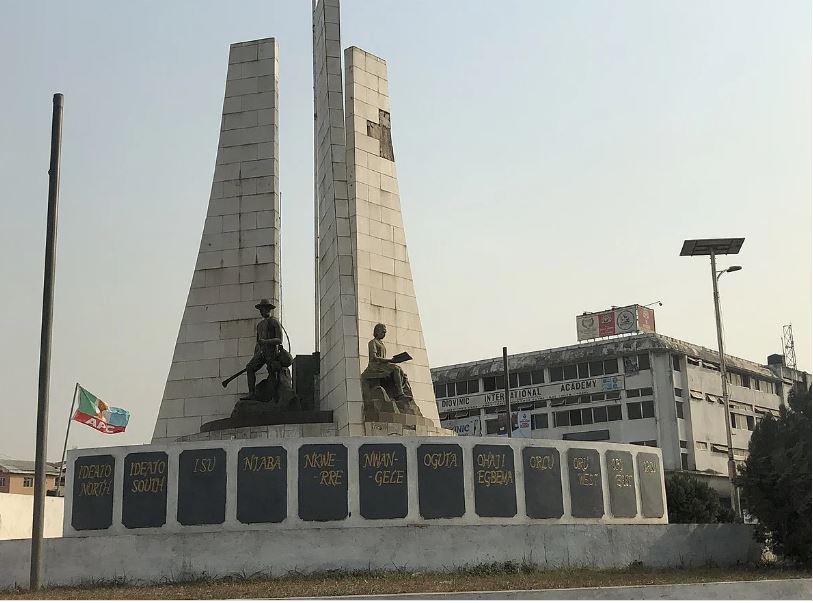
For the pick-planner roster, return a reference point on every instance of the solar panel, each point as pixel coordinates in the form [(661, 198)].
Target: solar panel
[(705, 246)]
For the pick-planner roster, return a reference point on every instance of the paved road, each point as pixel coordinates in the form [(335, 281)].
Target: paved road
[(757, 589)]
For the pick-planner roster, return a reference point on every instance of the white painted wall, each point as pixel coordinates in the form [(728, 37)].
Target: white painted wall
[(16, 516), (157, 557)]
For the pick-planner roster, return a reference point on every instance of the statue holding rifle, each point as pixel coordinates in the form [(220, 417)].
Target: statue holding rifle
[(268, 351)]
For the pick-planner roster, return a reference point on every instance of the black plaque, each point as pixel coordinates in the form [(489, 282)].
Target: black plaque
[(495, 490), (440, 481), (543, 483), (322, 482), (93, 492), (383, 481), (621, 482), (584, 469), (262, 484), (649, 481), (202, 487), (144, 500)]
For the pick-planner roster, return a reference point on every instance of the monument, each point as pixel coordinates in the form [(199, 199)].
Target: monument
[(347, 438), (364, 275)]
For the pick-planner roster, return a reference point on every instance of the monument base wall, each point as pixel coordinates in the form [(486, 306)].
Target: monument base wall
[(146, 558)]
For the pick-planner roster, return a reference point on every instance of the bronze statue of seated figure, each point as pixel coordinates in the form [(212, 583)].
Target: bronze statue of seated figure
[(384, 385)]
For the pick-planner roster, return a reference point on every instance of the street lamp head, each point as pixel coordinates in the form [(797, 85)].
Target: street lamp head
[(733, 268)]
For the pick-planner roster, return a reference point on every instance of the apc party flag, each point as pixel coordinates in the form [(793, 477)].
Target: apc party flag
[(98, 414)]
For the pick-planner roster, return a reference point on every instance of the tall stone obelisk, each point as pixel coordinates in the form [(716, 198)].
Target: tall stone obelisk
[(364, 272), (238, 262), (339, 378), (385, 291)]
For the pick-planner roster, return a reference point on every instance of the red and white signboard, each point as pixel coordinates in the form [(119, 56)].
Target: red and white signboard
[(618, 321)]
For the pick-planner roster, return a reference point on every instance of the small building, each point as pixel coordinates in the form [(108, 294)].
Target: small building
[(645, 389), (17, 477)]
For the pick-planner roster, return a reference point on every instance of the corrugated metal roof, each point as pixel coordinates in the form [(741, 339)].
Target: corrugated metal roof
[(15, 466), (594, 350)]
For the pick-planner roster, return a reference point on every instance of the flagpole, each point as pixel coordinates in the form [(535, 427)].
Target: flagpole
[(65, 447)]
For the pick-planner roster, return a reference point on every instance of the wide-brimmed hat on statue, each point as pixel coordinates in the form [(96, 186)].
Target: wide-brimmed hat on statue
[(264, 303)]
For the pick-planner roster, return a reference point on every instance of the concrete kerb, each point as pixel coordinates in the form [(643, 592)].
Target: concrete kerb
[(155, 558)]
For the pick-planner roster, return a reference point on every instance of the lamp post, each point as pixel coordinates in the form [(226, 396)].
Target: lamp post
[(713, 248)]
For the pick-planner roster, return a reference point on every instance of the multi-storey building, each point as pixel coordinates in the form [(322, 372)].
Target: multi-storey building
[(641, 389)]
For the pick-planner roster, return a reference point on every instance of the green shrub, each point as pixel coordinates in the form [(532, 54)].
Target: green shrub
[(776, 479), (689, 500)]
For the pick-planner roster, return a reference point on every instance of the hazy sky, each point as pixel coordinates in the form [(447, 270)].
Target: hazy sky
[(552, 157)]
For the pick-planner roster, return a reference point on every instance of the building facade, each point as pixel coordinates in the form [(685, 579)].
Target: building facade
[(645, 389), (17, 477)]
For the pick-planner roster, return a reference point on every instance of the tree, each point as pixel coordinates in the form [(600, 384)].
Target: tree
[(776, 478), (691, 501)]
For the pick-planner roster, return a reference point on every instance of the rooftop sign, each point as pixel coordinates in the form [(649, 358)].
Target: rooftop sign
[(617, 321)]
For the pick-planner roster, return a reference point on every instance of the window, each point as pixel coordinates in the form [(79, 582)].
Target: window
[(613, 395), (2, 481), (733, 420), (557, 373), (492, 426), (575, 417), (684, 444), (749, 423), (679, 409), (746, 381), (600, 414), (497, 383), (614, 412), (587, 416), (561, 418), (646, 391), (684, 460), (440, 390), (755, 384), (596, 368), (585, 399), (524, 379), (611, 366), (28, 482), (678, 392), (539, 421), (650, 443), (537, 377), (633, 393), (570, 372), (540, 404), (474, 386), (596, 397), (640, 410), (675, 362), (584, 370), (643, 362)]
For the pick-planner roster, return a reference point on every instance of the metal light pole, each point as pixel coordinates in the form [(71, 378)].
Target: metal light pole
[(712, 248), (507, 388), (45, 347)]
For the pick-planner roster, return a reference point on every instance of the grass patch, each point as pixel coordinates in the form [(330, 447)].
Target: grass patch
[(492, 576)]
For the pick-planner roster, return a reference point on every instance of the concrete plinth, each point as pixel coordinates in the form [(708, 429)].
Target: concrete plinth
[(158, 557)]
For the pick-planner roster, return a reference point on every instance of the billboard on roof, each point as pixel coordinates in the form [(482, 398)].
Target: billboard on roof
[(616, 321)]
